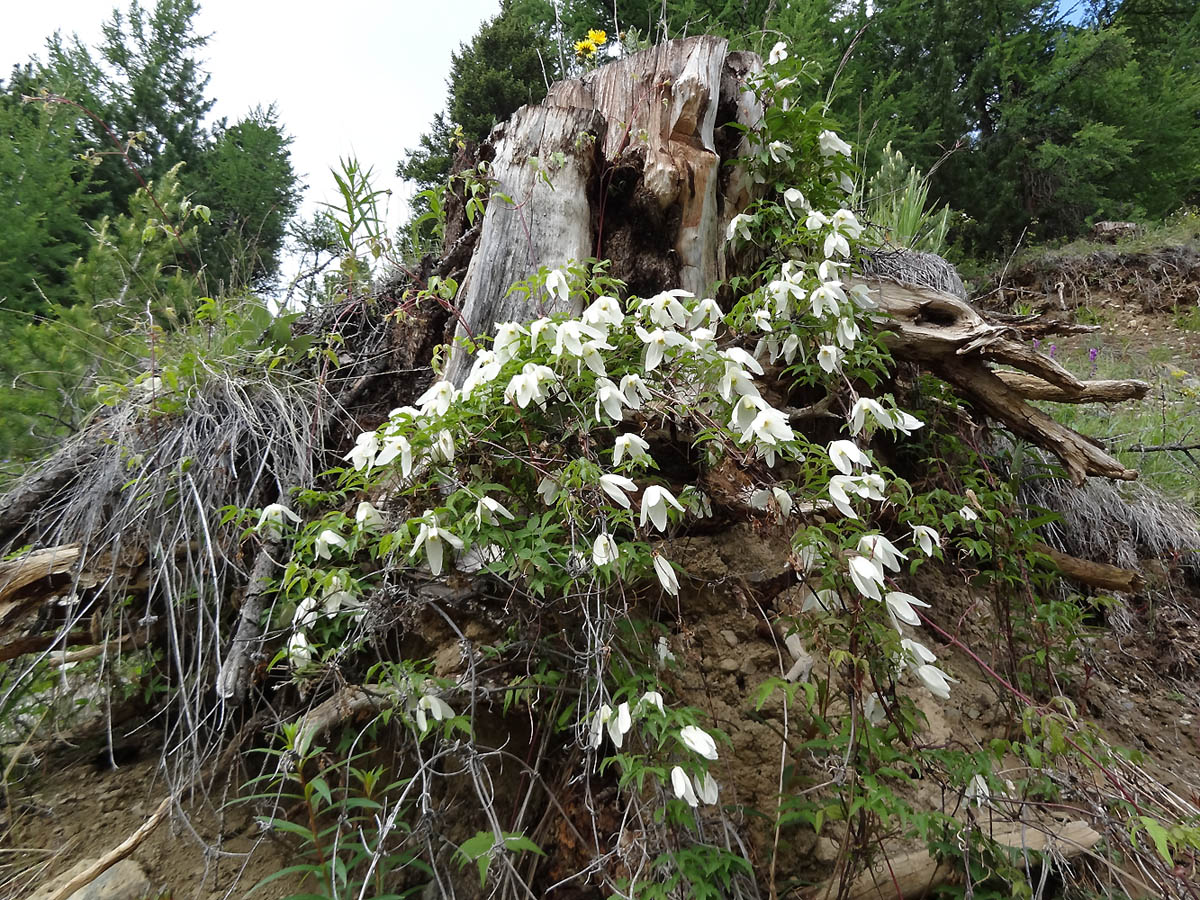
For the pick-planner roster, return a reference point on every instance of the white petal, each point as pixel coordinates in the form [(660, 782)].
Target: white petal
[(698, 741)]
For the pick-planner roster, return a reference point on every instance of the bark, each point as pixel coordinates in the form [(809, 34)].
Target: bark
[(1094, 574)]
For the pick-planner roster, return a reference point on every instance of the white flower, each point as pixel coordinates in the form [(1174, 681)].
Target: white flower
[(632, 446), (778, 54), (270, 520), (486, 510), (325, 540), (831, 144), (867, 576), (881, 550), (393, 446), (977, 792), (901, 606), (783, 499), (368, 517), (655, 500), (790, 345), (615, 486), (905, 422), (662, 651), (548, 490), (736, 382), (438, 708), (604, 550), (664, 309), (442, 449), (835, 242), (846, 183), (306, 613), (507, 341), (779, 151), (845, 455), (864, 405), (682, 785), (557, 287), (635, 391), (935, 680), (536, 328), (844, 221), (526, 387), (762, 319), (918, 653), (618, 722), (926, 538), (827, 298), (698, 741), (658, 342), (770, 427), (873, 709), (706, 789), (794, 200), (745, 411), (604, 311), (861, 295), (847, 332), (437, 399), (571, 337), (654, 699), (434, 539), (837, 493), (829, 358), (300, 651), (968, 514), (666, 575), (739, 226), (362, 456), (816, 220), (706, 311), (484, 371)]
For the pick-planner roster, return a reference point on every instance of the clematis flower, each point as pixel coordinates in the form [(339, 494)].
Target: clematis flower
[(653, 699), (610, 399), (905, 422), (325, 540), (762, 319), (977, 793), (706, 311), (846, 222), (604, 549), (900, 605), (830, 358), (487, 509), (706, 789), (271, 519), (393, 446), (745, 411), (682, 786), (778, 54), (632, 446), (861, 295), (739, 226), (845, 455), (306, 613), (666, 575), (835, 242), (604, 311), (665, 310), (527, 387), (838, 486), (662, 651), (548, 489), (779, 151), (847, 332), (698, 741), (790, 345), (616, 486), (368, 517), (437, 398), (918, 653), (484, 371), (831, 144), (362, 456), (434, 539), (827, 298), (436, 707), (571, 337), (968, 514), (881, 550), (442, 449), (507, 341), (926, 538), (816, 220), (658, 342), (617, 722), (736, 382), (769, 427), (300, 651), (846, 183), (935, 680), (873, 709), (557, 287), (867, 576), (635, 391), (536, 328), (863, 406), (655, 500), (793, 200)]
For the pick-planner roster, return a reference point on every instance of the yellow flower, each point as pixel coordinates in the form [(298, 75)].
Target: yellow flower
[(597, 37), (585, 48)]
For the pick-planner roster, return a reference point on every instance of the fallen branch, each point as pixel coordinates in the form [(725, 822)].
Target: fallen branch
[(37, 643), (1160, 448), (347, 703), (129, 642), (1095, 574), (1032, 388), (19, 573), (115, 855)]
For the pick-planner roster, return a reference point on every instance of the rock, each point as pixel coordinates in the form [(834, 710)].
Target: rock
[(730, 638), (730, 665), (123, 881), (826, 850)]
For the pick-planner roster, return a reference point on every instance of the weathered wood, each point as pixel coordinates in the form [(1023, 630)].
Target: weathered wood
[(654, 112), (17, 574), (954, 341), (1033, 388), (1094, 574)]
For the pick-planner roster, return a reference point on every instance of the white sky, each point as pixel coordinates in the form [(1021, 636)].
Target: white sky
[(360, 77)]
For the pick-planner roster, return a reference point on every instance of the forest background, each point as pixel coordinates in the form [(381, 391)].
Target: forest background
[(123, 214)]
